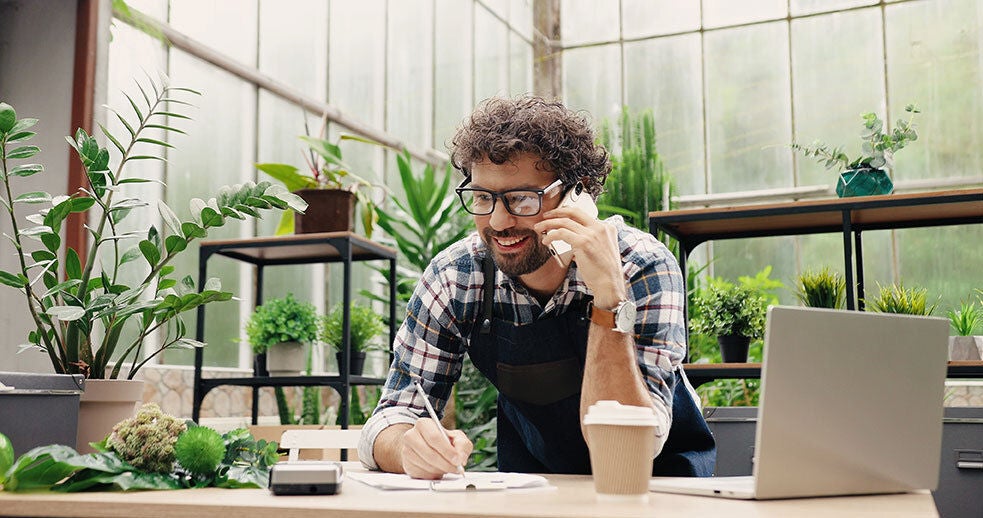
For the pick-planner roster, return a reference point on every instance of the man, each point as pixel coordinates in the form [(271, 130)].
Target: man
[(554, 337)]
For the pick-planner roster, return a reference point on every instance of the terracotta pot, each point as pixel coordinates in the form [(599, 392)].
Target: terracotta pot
[(328, 210), (103, 404), (733, 348)]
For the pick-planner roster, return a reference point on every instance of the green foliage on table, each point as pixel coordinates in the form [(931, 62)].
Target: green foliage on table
[(703, 348), (281, 320), (638, 183), (245, 464), (364, 325), (199, 450), (147, 439), (326, 169), (77, 302), (729, 310), (877, 146), (967, 319), (896, 298), (821, 289)]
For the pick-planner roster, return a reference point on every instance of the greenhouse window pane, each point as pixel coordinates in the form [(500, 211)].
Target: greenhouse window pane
[(491, 56), (454, 83), (747, 257), (844, 50), (499, 7), (520, 65), (748, 108), (802, 7), (943, 260), (935, 61), (356, 80), (591, 80), (300, 32), (589, 21), (409, 77), (719, 13), (520, 17), (642, 18), (664, 74)]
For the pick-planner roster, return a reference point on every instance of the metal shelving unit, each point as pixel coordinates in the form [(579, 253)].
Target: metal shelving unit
[(329, 247)]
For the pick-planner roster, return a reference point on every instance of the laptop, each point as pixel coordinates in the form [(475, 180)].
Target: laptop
[(851, 404)]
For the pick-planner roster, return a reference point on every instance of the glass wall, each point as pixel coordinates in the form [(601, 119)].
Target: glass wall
[(411, 68), (731, 84)]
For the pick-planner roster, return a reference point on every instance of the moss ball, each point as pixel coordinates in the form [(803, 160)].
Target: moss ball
[(200, 450)]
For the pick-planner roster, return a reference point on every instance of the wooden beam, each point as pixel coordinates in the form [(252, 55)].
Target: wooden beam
[(83, 97)]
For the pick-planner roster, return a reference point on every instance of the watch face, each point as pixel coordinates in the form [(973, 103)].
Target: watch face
[(625, 317)]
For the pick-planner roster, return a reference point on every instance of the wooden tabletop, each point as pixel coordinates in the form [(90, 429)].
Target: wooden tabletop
[(568, 496)]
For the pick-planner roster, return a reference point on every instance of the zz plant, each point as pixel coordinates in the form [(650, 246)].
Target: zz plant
[(78, 304)]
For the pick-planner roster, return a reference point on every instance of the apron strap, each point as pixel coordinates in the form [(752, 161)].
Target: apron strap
[(488, 266)]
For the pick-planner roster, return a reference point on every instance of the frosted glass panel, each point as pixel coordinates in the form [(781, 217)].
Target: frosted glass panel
[(293, 44), (356, 79), (800, 7), (934, 60), (944, 260), (218, 152), (838, 74), (588, 21), (747, 106), (491, 56), (739, 257), (409, 77), (718, 13), (499, 7), (591, 80), (520, 65), (520, 17), (664, 74), (453, 79), (653, 17)]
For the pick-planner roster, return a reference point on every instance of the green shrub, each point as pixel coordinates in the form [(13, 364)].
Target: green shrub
[(365, 323), (730, 310), (281, 320), (821, 289)]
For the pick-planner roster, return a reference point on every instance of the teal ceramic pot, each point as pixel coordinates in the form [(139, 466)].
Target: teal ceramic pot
[(863, 182)]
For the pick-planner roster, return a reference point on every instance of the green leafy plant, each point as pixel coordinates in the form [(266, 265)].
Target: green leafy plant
[(281, 320), (898, 299), (78, 304), (877, 146), (326, 169), (364, 325), (244, 463), (638, 182), (821, 289), (730, 310), (967, 319)]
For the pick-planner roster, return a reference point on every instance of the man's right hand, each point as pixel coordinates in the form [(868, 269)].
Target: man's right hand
[(422, 450)]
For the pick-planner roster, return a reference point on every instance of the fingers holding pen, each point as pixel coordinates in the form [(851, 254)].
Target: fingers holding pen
[(427, 453)]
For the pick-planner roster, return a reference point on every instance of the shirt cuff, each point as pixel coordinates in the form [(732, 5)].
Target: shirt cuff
[(664, 418), (379, 421)]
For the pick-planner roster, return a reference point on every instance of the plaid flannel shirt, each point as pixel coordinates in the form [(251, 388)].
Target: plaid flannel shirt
[(446, 305)]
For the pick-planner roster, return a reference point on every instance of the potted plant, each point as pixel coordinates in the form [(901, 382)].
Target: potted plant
[(281, 329), (329, 187), (895, 298), (365, 325), (86, 318), (965, 322), (734, 314), (821, 289), (866, 174)]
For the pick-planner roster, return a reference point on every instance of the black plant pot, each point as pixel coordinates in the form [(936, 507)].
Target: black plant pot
[(356, 363), (733, 348), (259, 365)]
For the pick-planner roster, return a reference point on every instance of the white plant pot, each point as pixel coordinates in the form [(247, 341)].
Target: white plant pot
[(965, 348), (286, 359)]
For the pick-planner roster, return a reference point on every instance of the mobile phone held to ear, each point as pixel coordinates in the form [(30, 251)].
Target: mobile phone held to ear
[(577, 197)]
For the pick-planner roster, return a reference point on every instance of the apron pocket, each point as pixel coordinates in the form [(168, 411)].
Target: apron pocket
[(540, 383)]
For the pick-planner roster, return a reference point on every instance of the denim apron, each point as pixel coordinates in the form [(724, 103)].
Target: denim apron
[(538, 369)]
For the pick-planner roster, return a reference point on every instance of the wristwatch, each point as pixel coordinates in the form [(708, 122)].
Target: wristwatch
[(621, 318)]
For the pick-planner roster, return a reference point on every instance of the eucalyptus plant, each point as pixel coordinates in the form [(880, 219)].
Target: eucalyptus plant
[(78, 304), (877, 146)]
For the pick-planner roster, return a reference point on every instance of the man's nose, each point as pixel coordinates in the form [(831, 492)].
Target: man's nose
[(501, 218)]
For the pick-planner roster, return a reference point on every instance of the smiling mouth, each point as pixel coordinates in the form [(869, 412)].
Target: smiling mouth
[(510, 243)]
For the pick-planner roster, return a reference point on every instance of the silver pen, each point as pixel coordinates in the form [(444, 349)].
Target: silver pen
[(433, 415)]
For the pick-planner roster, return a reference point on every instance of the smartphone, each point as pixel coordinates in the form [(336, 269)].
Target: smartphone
[(577, 197)]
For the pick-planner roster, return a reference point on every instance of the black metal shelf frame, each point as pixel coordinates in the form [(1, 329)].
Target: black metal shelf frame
[(343, 247)]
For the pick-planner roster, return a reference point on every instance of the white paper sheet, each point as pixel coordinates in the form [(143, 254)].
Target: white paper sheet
[(483, 480)]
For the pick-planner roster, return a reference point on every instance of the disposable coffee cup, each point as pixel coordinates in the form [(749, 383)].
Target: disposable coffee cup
[(621, 439)]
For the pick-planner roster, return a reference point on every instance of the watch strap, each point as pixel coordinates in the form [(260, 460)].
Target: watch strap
[(602, 317)]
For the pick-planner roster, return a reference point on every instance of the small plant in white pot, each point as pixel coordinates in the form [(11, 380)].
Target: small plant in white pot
[(282, 329), (966, 321)]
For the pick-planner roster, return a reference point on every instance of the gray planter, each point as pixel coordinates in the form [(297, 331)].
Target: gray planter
[(962, 348), (286, 359), (41, 409)]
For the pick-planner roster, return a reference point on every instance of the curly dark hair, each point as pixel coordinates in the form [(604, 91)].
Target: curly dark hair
[(500, 129)]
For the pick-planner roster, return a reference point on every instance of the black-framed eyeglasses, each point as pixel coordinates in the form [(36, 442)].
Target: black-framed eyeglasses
[(519, 202)]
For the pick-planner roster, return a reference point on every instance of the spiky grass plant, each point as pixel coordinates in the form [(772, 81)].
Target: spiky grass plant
[(966, 319), (898, 299), (821, 289)]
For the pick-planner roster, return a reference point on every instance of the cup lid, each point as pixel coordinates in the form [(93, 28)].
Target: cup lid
[(613, 412)]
